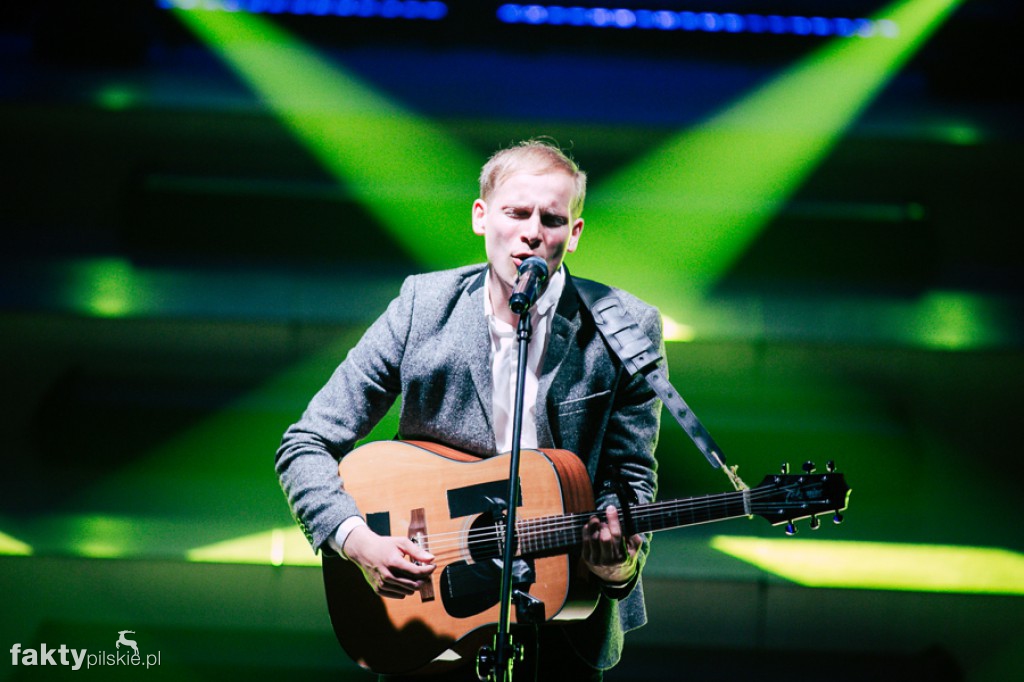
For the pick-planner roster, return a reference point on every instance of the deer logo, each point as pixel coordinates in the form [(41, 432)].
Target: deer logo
[(121, 639)]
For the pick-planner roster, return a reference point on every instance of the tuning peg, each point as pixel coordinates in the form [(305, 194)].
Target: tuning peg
[(815, 522), (830, 466), (790, 528), (809, 467), (784, 468), (837, 518)]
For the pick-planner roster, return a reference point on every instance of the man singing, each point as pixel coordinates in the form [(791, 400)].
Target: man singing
[(447, 346)]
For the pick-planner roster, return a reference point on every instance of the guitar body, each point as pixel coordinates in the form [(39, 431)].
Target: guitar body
[(451, 503)]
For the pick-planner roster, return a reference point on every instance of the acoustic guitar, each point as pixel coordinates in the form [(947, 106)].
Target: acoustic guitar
[(452, 504)]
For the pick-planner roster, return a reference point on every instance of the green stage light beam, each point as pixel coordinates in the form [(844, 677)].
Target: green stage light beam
[(882, 565), (407, 171), (285, 546), (698, 201), (211, 482), (952, 321), (104, 287), (12, 546)]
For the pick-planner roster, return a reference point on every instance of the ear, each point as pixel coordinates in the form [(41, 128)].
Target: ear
[(574, 236), (479, 212)]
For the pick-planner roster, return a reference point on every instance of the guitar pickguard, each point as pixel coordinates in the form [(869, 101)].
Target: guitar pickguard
[(480, 498), (471, 588)]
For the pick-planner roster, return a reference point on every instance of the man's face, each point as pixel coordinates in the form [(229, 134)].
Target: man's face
[(527, 215)]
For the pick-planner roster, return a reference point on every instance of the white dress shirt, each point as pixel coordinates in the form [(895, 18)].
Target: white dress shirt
[(505, 364)]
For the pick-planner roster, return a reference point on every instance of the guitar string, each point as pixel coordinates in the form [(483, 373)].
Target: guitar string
[(457, 541), (556, 524)]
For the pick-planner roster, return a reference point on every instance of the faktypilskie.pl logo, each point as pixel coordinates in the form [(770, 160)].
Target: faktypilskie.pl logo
[(125, 653)]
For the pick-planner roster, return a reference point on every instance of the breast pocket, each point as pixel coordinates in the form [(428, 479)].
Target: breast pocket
[(582, 404), (580, 421)]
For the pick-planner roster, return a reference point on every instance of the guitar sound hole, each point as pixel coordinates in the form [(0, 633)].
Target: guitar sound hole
[(486, 539), (470, 587)]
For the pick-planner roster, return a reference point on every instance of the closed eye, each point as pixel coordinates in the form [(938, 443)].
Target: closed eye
[(553, 220)]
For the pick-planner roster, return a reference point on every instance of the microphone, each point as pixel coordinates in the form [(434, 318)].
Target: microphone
[(532, 275)]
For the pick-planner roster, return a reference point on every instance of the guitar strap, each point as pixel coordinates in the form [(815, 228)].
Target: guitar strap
[(639, 355)]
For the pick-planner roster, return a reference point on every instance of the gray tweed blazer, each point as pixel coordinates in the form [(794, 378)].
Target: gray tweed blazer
[(431, 347)]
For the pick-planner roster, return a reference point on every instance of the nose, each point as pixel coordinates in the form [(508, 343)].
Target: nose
[(530, 234)]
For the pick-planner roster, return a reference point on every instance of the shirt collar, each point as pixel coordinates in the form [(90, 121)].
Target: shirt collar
[(544, 305)]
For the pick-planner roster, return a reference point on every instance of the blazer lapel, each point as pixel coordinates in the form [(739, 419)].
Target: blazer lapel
[(558, 362), (469, 315)]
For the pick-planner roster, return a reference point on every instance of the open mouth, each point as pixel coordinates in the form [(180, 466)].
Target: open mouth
[(518, 259)]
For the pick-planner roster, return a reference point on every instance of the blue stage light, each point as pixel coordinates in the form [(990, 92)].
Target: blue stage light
[(562, 15), (708, 22), (756, 23), (733, 23), (625, 18), (430, 10), (667, 21), (535, 14), (558, 15)]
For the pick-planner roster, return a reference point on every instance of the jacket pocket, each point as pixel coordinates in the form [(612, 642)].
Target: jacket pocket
[(580, 405)]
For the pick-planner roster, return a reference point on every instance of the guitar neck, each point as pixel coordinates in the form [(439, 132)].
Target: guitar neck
[(553, 534)]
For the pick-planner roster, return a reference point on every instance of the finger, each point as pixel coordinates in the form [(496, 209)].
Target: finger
[(401, 564), (610, 539), (615, 543), (416, 552), (600, 548), (613, 554), (413, 570), (401, 586), (591, 540), (400, 574), (614, 525), (391, 594), (398, 589), (410, 575)]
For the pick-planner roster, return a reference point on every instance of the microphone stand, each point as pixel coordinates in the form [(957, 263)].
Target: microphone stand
[(505, 650)]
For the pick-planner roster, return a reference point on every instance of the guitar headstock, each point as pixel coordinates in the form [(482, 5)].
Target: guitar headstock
[(788, 498)]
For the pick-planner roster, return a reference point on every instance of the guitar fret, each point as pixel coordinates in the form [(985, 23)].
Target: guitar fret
[(555, 534), (547, 534), (693, 511)]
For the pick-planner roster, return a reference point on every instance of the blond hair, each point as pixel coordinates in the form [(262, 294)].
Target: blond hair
[(536, 156)]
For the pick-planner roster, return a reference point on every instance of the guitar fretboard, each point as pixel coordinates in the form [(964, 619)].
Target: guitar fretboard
[(559, 533)]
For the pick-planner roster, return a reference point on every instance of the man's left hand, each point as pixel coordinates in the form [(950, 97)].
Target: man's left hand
[(609, 555)]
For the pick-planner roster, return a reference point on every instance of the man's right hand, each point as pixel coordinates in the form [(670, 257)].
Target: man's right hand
[(393, 566)]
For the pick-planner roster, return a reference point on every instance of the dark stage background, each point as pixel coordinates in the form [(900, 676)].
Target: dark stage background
[(202, 209)]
